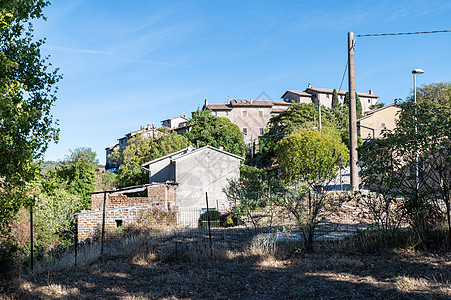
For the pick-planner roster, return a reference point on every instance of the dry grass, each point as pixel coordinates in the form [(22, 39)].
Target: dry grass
[(182, 265)]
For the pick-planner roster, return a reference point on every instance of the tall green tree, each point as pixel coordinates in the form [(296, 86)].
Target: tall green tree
[(79, 173), (139, 150), (298, 116), (27, 93), (215, 131), (358, 104), (335, 101), (309, 159), (413, 160)]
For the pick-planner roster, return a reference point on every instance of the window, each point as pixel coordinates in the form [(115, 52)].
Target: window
[(227, 113), (118, 223), (341, 96), (260, 113), (261, 131), (369, 101), (327, 95), (245, 131), (244, 113), (216, 113)]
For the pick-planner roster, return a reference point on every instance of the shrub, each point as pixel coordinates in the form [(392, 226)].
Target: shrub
[(214, 215)]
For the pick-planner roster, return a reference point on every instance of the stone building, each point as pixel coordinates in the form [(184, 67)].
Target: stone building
[(324, 96), (251, 116), (197, 172), (371, 125), (125, 206)]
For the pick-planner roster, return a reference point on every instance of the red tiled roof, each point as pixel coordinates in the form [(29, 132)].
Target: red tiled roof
[(341, 92)]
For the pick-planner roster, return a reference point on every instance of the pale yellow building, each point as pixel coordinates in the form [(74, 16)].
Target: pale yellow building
[(371, 125)]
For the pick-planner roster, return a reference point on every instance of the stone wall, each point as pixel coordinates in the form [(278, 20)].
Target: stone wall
[(164, 193), (90, 222)]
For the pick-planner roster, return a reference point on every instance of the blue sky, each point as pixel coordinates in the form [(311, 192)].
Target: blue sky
[(130, 63)]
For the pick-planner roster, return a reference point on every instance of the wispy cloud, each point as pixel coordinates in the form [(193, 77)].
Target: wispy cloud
[(75, 50)]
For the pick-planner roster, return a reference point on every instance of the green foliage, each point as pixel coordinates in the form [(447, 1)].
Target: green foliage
[(54, 215), (106, 181), (298, 116), (139, 150), (215, 131), (213, 215), (391, 164), (335, 101), (27, 93), (310, 156), (79, 172), (358, 104)]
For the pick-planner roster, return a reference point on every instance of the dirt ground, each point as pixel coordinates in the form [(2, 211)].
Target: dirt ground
[(245, 270)]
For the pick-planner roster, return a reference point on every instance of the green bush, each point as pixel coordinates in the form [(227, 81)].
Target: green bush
[(214, 215)]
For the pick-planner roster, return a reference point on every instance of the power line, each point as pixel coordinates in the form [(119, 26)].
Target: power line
[(401, 33), (344, 73)]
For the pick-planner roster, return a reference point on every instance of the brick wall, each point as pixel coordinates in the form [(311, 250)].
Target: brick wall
[(155, 193), (90, 222), (123, 210)]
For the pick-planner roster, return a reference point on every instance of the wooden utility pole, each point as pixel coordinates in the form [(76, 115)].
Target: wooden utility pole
[(352, 115)]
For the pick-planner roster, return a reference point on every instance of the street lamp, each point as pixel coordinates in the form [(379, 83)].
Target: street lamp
[(415, 72)]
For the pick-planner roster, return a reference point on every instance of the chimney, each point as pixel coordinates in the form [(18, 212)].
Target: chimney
[(184, 115), (148, 126), (371, 91), (206, 103), (309, 86), (251, 101), (142, 127)]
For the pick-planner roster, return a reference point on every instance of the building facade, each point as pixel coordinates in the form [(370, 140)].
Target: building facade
[(372, 125), (197, 172), (324, 96), (251, 116)]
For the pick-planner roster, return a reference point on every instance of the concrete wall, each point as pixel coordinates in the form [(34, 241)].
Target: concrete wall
[(201, 172), (297, 98), (162, 171), (384, 118)]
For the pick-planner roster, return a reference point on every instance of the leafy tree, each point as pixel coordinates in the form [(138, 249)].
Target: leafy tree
[(139, 150), (215, 131), (420, 144), (79, 172), (309, 159), (358, 104), (298, 116), (335, 101), (27, 93)]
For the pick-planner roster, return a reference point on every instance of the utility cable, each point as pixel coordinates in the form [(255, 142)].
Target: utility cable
[(401, 33)]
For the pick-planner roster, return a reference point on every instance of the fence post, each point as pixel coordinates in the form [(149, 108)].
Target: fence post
[(208, 220), (76, 240), (103, 224), (31, 237)]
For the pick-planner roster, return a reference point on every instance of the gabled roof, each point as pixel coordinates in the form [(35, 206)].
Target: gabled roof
[(300, 93), (175, 118), (371, 112), (246, 103), (188, 151), (112, 147), (330, 91)]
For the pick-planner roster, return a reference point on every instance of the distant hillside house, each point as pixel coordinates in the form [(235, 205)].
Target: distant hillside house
[(178, 124), (251, 116), (375, 121), (324, 96)]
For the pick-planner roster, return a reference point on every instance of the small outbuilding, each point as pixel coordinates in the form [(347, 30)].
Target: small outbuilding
[(197, 172)]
